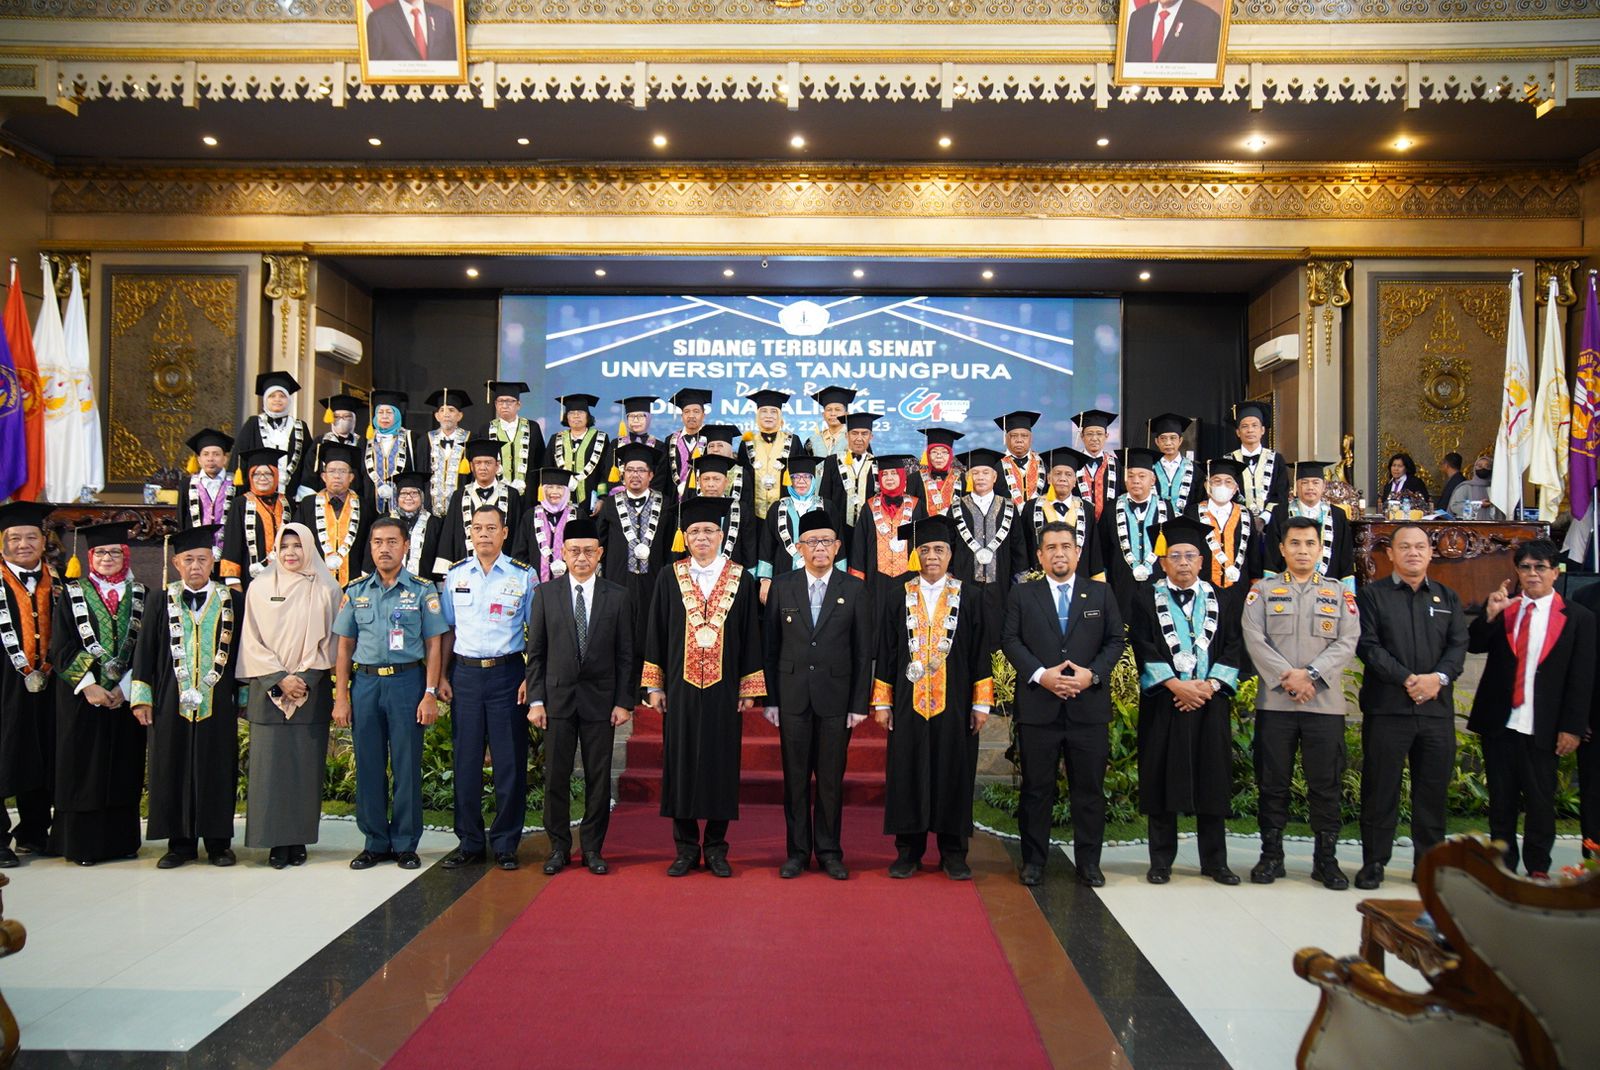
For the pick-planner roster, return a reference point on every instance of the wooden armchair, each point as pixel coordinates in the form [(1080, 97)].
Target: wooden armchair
[(1515, 989)]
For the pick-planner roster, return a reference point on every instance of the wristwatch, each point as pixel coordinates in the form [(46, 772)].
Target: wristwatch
[(1444, 679), (1311, 671), (1094, 679), (430, 691)]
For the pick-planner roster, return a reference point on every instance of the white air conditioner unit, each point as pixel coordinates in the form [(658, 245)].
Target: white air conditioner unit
[(1284, 349), (338, 345)]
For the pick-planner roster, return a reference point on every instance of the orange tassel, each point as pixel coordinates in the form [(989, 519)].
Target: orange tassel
[(969, 481), (616, 474), (924, 457)]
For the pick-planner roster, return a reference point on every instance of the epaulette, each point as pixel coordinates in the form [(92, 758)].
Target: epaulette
[(357, 579), (463, 561), (520, 564)]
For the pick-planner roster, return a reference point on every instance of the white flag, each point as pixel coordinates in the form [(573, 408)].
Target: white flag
[(55, 382), (1552, 418), (89, 453), (1515, 440)]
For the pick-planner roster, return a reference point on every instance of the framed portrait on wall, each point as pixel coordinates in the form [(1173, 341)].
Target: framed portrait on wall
[(1172, 42), (407, 41)]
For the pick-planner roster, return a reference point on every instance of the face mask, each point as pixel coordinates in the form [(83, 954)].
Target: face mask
[(343, 425), (1221, 495), (1483, 473)]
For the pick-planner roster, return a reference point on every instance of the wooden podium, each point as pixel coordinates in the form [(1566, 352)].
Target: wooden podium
[(1470, 557)]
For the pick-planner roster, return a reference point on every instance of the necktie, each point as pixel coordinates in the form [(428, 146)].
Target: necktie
[(418, 36), (581, 612), (1185, 598), (194, 599), (817, 590), (1160, 37), (1520, 648), (1063, 607)]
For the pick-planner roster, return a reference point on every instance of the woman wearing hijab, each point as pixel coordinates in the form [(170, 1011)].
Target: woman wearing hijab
[(99, 743), (390, 451), (286, 651), (254, 519)]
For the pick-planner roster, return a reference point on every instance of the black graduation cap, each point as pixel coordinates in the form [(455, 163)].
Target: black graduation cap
[(861, 421), (209, 437), (703, 510), (263, 456), (200, 537), (505, 388), (936, 528), (399, 399), (720, 433), (980, 458), (817, 520), (629, 452), (338, 451), (1021, 420), (267, 380), (555, 477), (578, 402), (895, 460), (447, 395), (1184, 531), (637, 403), (1258, 409), (482, 447), (941, 436), (411, 481), (1226, 466), (1310, 470), (1139, 457), (95, 535), (691, 396), (1065, 455), (834, 395), (713, 462), (1094, 418), (24, 515), (768, 398), (580, 527), (343, 403), (1169, 423), (803, 464)]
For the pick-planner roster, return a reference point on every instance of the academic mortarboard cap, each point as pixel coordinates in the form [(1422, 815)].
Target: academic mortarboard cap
[(1139, 457), (282, 380), (834, 395), (1184, 531), (637, 403), (412, 481), (398, 399), (895, 460), (629, 452), (1094, 418), (691, 396), (941, 436), (505, 388), (861, 421), (703, 510), (1169, 423), (24, 515), (765, 398), (720, 433), (343, 403), (713, 462), (981, 458), (803, 464), (1065, 455), (458, 399), (105, 534), (1310, 470), (262, 456), (580, 527), (1021, 420), (1225, 466), (817, 520), (577, 402), (937, 528), (338, 451), (1258, 409), (482, 447), (209, 437), (200, 537), (555, 477)]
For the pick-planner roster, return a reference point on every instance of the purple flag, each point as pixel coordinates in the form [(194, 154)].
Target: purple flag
[(1585, 411), (13, 426)]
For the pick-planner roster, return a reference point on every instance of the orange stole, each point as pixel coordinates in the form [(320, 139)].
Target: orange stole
[(928, 693), (1228, 539), (1021, 480), (895, 559), (33, 616), (338, 525), (942, 490)]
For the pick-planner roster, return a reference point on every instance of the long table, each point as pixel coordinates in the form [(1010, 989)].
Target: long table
[(1471, 557)]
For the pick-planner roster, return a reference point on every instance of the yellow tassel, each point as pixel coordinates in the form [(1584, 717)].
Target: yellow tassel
[(924, 458), (693, 482), (677, 542), (969, 481), (786, 480), (194, 465), (914, 561), (616, 474), (238, 477), (327, 415), (1161, 546), (370, 433), (1050, 495), (749, 436), (464, 467), (622, 427), (74, 568)]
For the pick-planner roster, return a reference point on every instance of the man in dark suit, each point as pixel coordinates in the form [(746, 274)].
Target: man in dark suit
[(1173, 31), (1064, 635), (581, 688), (1532, 705), (819, 644), (394, 30), (1589, 748)]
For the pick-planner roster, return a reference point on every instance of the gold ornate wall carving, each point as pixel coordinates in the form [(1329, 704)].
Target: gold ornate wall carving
[(1440, 354), (173, 348)]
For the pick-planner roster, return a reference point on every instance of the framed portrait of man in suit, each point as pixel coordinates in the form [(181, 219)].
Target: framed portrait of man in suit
[(1172, 42), (412, 40)]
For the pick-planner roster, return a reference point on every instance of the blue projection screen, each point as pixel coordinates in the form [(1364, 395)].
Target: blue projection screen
[(955, 361)]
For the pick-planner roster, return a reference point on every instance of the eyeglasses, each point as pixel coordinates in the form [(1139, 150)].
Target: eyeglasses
[(1535, 566), (817, 544), (581, 551), (1187, 555), (106, 551)]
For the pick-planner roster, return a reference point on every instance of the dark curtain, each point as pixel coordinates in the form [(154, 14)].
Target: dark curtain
[(1183, 353), (424, 340)]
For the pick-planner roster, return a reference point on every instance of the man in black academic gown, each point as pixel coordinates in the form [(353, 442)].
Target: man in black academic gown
[(1064, 636), (685, 444), (933, 687), (339, 514), (207, 491), (1186, 640), (522, 446), (1060, 504), (989, 539), (702, 671), (1338, 561), (193, 718), (1127, 535), (635, 526), (819, 648), (484, 488), (850, 478), (27, 706), (741, 527), (1265, 486)]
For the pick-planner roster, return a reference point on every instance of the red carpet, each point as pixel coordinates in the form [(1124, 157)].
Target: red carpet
[(761, 762), (636, 968)]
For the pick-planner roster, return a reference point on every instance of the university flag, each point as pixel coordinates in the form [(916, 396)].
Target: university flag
[(1552, 417), (55, 381), (20, 338), (13, 427), (89, 455), (1514, 441), (1586, 409)]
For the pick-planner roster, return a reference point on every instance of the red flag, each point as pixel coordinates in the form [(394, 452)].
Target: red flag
[(19, 335)]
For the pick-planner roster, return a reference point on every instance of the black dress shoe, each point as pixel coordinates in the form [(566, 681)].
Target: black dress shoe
[(902, 868), (368, 859), (9, 859), (1222, 875), (1031, 875), (718, 865), (682, 864), (173, 859), (85, 861), (555, 863), (223, 858), (278, 858), (408, 860), (32, 848), (506, 861), (297, 854), (956, 869), (1370, 876), (1159, 874), (834, 868), (791, 868), (458, 858), (1090, 876), (595, 864)]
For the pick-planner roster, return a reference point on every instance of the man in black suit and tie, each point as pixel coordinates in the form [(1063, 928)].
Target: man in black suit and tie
[(411, 30), (581, 688), (1173, 31), (1532, 705), (1063, 634), (819, 670)]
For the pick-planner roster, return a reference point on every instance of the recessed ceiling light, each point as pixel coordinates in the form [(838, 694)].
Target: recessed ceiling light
[(727, 273), (858, 273), (659, 141), (374, 141), (1103, 142), (1402, 143), (960, 89), (1255, 142), (472, 273), (1144, 276), (988, 274), (944, 142), (209, 141), (522, 141), (601, 272), (797, 142)]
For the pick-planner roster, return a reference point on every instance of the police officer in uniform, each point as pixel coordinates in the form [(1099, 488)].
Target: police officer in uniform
[(389, 629), (1301, 630)]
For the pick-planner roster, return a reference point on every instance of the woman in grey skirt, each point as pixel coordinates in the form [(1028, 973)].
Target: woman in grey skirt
[(286, 652)]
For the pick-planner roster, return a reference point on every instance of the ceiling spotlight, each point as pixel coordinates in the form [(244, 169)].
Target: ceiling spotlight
[(600, 272), (472, 273), (988, 274), (797, 142), (858, 273), (1144, 276), (209, 142), (944, 142), (374, 141), (1255, 142), (522, 141), (659, 141), (959, 89), (727, 273), (1402, 143), (1102, 142)]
